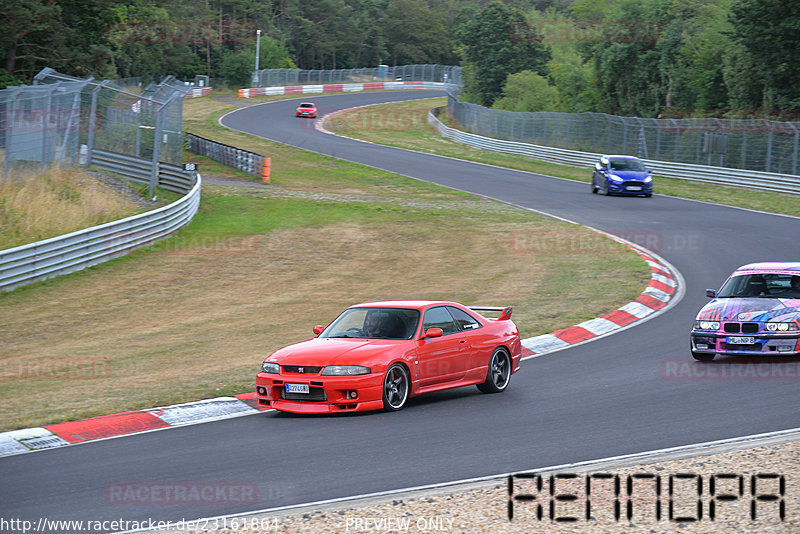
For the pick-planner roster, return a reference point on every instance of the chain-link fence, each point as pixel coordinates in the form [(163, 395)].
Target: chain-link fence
[(381, 73), (754, 144), (61, 120)]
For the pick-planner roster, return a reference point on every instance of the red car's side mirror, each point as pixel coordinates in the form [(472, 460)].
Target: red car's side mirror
[(433, 332), (318, 329)]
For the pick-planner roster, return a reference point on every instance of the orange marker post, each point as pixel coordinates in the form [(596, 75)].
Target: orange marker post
[(265, 168)]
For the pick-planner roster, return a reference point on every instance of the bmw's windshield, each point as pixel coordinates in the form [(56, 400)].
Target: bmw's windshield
[(626, 164), (758, 285), (374, 323)]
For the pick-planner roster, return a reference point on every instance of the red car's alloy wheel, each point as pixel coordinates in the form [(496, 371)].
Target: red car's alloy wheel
[(395, 388), (499, 373)]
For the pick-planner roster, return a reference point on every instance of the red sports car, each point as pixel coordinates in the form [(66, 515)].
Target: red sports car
[(376, 355), (306, 109)]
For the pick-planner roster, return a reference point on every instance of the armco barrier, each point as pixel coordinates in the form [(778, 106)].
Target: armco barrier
[(763, 181), (72, 252), (244, 160), (170, 177)]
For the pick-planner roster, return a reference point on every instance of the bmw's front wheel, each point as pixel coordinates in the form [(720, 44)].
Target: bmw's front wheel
[(395, 388), (499, 373)]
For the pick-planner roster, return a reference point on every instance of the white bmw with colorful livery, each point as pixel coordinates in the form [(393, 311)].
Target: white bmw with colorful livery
[(756, 312)]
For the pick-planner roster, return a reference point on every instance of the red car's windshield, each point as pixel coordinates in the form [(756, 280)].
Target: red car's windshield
[(374, 323)]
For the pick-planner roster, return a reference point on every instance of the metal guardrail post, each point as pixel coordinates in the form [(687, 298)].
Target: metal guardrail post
[(45, 125), (156, 150), (93, 120)]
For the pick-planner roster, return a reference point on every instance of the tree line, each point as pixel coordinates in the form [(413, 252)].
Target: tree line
[(648, 58)]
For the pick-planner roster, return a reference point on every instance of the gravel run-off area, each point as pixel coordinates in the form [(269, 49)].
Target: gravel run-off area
[(748, 476)]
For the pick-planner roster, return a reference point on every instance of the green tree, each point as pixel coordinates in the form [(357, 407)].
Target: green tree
[(632, 60), (495, 42), (769, 30), (415, 33), (237, 67), (528, 91)]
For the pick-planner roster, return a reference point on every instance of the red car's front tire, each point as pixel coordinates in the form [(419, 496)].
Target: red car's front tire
[(395, 388)]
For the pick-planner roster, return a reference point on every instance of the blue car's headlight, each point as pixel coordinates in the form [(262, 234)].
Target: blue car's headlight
[(615, 178), (648, 180)]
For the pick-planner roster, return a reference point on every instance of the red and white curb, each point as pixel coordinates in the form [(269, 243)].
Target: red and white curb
[(126, 423), (654, 298), (336, 88)]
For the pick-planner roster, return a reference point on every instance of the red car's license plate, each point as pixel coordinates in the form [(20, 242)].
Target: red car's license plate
[(296, 388)]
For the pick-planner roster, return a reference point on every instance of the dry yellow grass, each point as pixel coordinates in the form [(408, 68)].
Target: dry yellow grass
[(35, 206), (184, 323)]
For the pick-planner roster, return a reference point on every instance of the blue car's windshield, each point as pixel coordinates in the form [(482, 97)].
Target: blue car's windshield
[(374, 323), (759, 285), (626, 164)]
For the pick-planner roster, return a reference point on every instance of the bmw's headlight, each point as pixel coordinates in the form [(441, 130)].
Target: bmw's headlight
[(615, 178), (273, 368), (707, 325), (780, 327), (348, 370)]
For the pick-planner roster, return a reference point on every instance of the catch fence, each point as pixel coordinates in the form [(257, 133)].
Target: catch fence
[(752, 144), (62, 120), (381, 73)]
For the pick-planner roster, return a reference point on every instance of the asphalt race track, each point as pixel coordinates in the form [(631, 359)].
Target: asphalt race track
[(605, 398)]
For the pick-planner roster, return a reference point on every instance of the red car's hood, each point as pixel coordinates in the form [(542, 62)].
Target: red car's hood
[(332, 351)]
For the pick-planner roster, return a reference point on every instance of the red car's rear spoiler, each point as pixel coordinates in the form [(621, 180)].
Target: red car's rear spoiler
[(504, 315)]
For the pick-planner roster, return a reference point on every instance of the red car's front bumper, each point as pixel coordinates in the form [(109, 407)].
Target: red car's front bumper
[(327, 394)]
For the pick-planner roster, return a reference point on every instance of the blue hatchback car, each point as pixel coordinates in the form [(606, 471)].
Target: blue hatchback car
[(621, 175)]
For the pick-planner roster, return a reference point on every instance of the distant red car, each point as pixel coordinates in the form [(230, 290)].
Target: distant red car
[(306, 109), (376, 355)]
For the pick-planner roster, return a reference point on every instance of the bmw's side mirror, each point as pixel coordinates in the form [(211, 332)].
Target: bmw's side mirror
[(711, 293), (318, 329)]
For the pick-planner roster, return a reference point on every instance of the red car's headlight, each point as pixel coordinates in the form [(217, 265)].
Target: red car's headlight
[(272, 368), (347, 370)]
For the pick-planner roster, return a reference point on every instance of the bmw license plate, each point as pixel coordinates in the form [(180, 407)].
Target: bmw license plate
[(297, 388), (741, 340), (634, 188)]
